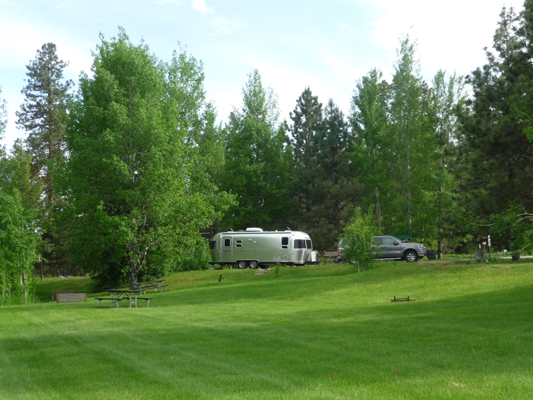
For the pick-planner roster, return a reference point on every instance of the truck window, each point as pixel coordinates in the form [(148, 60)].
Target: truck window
[(213, 244), (299, 243), (284, 242)]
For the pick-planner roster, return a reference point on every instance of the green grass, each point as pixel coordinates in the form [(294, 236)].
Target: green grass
[(320, 332)]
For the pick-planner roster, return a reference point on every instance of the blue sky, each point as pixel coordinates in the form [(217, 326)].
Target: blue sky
[(326, 45)]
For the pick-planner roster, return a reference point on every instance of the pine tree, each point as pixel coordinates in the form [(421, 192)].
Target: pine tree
[(494, 153), (306, 122), (334, 182), (42, 114)]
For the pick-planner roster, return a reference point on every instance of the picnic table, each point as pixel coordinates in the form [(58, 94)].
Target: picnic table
[(119, 294), (156, 285)]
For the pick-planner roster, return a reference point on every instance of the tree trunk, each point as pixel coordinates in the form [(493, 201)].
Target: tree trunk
[(378, 209)]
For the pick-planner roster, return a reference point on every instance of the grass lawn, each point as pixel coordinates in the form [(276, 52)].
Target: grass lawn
[(319, 332)]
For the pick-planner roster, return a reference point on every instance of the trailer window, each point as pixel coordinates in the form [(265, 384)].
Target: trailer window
[(309, 244), (238, 243), (213, 244), (227, 242), (284, 242), (299, 243)]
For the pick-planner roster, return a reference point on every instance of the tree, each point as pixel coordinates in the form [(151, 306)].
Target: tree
[(136, 182), (412, 139), (19, 242), (357, 239), (257, 165), (371, 134), (447, 97), (42, 116), (494, 153), (20, 172), (513, 229), (333, 184), (42, 113), (306, 122)]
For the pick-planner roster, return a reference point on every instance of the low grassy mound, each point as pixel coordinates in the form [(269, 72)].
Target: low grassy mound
[(315, 332)]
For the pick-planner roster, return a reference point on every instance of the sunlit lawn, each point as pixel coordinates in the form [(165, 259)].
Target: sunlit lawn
[(320, 332)]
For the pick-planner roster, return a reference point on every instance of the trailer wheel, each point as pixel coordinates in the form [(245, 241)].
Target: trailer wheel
[(263, 266), (254, 264), (241, 264)]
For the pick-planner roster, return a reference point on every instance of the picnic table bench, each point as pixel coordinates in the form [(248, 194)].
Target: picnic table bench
[(329, 254), (113, 300)]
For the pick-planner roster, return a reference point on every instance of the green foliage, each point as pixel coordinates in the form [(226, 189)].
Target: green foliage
[(42, 114), (19, 248), (357, 239), (257, 166), (494, 164), (324, 183), (19, 242), (372, 139), (137, 180), (512, 229)]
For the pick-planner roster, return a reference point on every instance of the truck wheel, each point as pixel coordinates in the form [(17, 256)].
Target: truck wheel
[(411, 256), (253, 264), (241, 264)]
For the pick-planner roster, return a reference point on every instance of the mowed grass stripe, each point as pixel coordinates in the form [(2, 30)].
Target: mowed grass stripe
[(317, 332)]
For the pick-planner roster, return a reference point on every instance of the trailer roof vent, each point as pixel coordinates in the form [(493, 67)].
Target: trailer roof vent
[(254, 230)]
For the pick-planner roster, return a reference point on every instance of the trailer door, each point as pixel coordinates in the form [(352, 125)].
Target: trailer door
[(227, 249)]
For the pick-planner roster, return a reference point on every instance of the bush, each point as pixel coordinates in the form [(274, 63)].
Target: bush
[(358, 236)]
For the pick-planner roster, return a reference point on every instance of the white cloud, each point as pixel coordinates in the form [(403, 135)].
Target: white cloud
[(199, 5), (450, 35), (225, 26)]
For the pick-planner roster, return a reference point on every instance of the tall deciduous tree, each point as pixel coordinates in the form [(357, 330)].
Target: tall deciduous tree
[(447, 97), (135, 180), (257, 165), (372, 140), (19, 243), (412, 139)]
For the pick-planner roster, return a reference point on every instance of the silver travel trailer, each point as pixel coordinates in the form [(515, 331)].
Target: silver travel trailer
[(254, 248)]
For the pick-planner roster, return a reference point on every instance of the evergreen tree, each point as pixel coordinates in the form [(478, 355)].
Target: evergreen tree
[(333, 187), (306, 122), (494, 153), (42, 114)]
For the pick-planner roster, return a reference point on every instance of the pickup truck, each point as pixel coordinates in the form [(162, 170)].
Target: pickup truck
[(390, 248)]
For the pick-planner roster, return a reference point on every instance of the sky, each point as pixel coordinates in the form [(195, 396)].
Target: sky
[(324, 45)]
